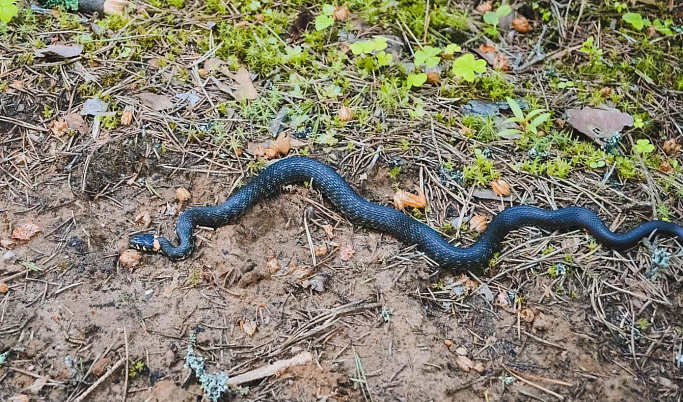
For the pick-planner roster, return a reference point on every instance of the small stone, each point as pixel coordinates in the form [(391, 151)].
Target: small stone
[(461, 351), (448, 343), (464, 363)]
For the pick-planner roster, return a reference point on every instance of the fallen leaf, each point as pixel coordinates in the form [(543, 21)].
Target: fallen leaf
[(500, 187), (479, 367), (25, 231), (502, 299), (272, 265), (527, 315), (598, 124), (248, 327), (485, 7), (670, 147), (521, 24), (464, 363), (19, 398), (169, 358), (100, 366), (272, 149), (75, 122), (182, 194), (63, 51), (213, 64), (58, 127), (494, 57), (478, 223), (282, 144), (3, 287), (130, 258), (403, 199), (127, 117), (341, 13), (244, 90), (94, 107), (191, 97), (321, 251), (346, 252), (433, 78), (345, 113), (155, 101), (329, 231), (144, 218), (168, 292)]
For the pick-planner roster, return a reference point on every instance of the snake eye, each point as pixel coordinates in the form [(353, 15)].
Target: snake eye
[(144, 242)]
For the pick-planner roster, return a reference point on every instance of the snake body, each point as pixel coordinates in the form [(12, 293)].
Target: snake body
[(388, 220)]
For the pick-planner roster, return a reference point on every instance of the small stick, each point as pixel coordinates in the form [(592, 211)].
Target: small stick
[(270, 369), (556, 395), (125, 383), (87, 392)]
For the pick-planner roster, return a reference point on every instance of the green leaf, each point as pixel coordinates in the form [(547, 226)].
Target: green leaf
[(416, 80), (384, 59), (328, 9), (7, 10), (466, 66), (379, 44), (539, 120), (509, 132), (323, 22), (635, 19), (452, 48), (491, 18), (644, 147), (427, 56), (503, 10), (516, 110), (357, 48)]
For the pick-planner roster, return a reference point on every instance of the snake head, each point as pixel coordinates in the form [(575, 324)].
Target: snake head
[(145, 242)]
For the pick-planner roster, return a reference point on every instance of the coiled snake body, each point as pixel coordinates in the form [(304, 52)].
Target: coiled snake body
[(388, 220)]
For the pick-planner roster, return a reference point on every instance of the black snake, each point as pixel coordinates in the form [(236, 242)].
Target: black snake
[(389, 220)]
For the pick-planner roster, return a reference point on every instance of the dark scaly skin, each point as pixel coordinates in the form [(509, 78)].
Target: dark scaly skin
[(388, 220)]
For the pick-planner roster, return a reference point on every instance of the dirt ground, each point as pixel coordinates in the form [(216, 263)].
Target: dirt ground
[(71, 304)]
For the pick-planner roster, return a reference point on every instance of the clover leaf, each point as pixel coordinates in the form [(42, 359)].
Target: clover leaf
[(636, 20), (427, 56), (466, 66), (7, 10), (384, 59), (322, 22), (416, 80), (644, 147)]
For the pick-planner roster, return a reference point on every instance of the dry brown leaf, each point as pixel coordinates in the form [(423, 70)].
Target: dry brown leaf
[(345, 113), (403, 199), (494, 57), (6, 243), (483, 8), (213, 64), (127, 117), (63, 51), (100, 366), (25, 231), (155, 101), (272, 149), (3, 287), (527, 315), (521, 24), (329, 231), (665, 166), (58, 127), (478, 223), (75, 122), (144, 218), (500, 187), (244, 90), (272, 265), (605, 91), (169, 358), (346, 252), (464, 363), (468, 284), (130, 258), (282, 144), (433, 78), (598, 124), (502, 299), (341, 13), (670, 147), (321, 251), (248, 327), (168, 292), (182, 194)]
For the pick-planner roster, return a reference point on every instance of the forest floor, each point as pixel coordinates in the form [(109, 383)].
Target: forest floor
[(109, 123)]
